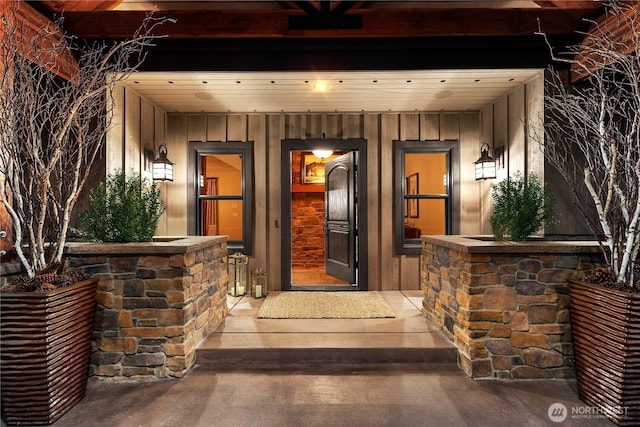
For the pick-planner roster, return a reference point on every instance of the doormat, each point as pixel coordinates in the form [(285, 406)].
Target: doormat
[(324, 305)]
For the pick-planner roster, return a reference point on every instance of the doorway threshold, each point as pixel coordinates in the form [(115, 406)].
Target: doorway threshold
[(323, 287)]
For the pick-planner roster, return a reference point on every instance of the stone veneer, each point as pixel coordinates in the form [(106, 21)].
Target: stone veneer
[(307, 230), (156, 302), (505, 305)]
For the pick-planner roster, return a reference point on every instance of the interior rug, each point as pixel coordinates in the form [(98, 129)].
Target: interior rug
[(324, 305)]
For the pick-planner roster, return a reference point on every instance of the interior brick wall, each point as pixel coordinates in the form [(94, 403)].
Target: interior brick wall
[(307, 222), (307, 230)]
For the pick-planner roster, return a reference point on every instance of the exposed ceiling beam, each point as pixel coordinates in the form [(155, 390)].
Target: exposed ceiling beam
[(51, 51), (375, 23), (59, 6), (621, 31), (307, 7), (570, 4), (323, 16)]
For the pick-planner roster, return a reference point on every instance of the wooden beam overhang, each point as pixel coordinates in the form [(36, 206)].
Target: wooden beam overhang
[(297, 54), (60, 6), (622, 31), (212, 24), (41, 40)]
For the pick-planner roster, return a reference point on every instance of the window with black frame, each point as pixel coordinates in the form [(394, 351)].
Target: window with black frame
[(425, 177), (224, 192)]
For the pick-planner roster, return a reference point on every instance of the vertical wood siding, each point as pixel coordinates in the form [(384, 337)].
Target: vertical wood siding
[(500, 123)]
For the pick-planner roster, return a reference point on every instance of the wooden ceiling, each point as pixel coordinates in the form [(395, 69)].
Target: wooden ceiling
[(266, 55), (324, 18)]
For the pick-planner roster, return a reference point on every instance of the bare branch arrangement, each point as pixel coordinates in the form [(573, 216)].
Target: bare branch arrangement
[(52, 127), (592, 132)]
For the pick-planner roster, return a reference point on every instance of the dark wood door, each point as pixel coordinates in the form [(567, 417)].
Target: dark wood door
[(340, 217)]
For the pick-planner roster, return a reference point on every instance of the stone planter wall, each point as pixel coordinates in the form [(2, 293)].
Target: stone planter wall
[(505, 305), (156, 302)]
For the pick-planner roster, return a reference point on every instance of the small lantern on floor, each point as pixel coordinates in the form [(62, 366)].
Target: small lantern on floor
[(259, 283), (238, 264)]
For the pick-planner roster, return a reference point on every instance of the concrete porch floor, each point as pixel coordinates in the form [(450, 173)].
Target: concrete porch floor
[(229, 392), (244, 339)]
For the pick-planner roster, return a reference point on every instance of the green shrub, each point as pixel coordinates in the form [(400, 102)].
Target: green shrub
[(123, 209), (521, 207)]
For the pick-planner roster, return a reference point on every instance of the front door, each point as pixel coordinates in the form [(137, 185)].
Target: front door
[(340, 218), (351, 261)]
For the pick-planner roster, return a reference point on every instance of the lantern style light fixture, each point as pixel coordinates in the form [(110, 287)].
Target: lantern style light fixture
[(237, 270), (259, 283), (485, 165), (162, 166)]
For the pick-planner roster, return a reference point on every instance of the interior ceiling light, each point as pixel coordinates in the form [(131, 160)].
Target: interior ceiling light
[(322, 154)]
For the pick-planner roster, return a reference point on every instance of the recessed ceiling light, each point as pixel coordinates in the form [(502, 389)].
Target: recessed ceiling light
[(320, 86)]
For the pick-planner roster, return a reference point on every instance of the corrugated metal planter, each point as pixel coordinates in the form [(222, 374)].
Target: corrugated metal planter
[(606, 337), (46, 344)]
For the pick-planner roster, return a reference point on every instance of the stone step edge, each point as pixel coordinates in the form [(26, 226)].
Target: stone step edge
[(326, 355)]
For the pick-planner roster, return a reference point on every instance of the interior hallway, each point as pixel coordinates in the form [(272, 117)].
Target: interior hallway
[(326, 394)]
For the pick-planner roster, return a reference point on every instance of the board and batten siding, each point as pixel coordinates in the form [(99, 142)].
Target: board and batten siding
[(500, 123), (387, 271)]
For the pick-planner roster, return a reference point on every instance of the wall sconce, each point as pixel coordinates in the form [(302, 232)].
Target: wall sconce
[(485, 165), (162, 166), (322, 154)]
